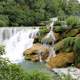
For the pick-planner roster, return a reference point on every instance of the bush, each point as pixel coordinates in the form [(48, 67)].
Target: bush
[(2, 49), (40, 76), (42, 32), (69, 43), (57, 23), (77, 50), (58, 29), (9, 71), (4, 21), (73, 21)]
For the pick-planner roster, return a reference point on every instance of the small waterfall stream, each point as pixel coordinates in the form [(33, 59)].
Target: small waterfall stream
[(52, 36)]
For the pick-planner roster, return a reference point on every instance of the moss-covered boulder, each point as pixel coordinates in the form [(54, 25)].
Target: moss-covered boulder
[(61, 60), (72, 33), (35, 52), (49, 38), (42, 32), (65, 45)]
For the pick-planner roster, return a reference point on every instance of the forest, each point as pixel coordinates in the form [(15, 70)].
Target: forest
[(35, 12)]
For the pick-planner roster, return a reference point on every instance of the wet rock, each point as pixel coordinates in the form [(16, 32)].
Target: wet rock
[(35, 52), (61, 60), (49, 38), (41, 34), (58, 36), (78, 66)]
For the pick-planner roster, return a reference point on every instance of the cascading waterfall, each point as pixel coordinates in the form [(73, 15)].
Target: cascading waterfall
[(52, 36), (16, 40)]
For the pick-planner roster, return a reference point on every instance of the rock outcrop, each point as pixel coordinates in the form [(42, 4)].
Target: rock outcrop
[(61, 60), (36, 52)]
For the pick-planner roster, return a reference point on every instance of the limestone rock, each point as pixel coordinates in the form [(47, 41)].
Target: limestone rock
[(36, 51), (61, 60)]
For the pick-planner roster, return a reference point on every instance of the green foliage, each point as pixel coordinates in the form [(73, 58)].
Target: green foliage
[(4, 21), (73, 21), (57, 23), (72, 7), (58, 29), (32, 12), (9, 71), (36, 75), (77, 50), (43, 30), (68, 44), (2, 49)]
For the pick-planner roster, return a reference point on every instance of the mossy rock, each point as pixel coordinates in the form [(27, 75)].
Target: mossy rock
[(72, 33), (58, 29), (42, 32), (65, 44)]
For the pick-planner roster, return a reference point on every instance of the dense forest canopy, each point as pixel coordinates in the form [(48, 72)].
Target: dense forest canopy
[(32, 12)]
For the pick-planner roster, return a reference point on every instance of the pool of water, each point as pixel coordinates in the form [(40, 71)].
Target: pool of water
[(38, 66)]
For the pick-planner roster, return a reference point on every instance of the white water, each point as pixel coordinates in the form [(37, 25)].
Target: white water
[(21, 39), (52, 36)]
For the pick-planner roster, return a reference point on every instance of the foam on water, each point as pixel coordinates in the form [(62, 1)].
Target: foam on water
[(16, 45)]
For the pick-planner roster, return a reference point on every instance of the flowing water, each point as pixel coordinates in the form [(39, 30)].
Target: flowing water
[(16, 40)]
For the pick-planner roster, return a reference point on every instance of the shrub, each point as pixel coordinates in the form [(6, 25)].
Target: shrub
[(58, 29), (40, 76), (73, 21), (42, 32), (57, 23), (4, 21), (2, 49), (69, 43), (9, 71), (77, 50)]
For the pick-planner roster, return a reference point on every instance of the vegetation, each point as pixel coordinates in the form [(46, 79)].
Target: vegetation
[(73, 21), (32, 12)]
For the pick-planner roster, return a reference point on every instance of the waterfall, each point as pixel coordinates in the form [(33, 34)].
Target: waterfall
[(16, 40), (52, 36)]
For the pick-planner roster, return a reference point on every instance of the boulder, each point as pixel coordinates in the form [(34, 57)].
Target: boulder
[(65, 45), (72, 33), (61, 60), (36, 51), (58, 36)]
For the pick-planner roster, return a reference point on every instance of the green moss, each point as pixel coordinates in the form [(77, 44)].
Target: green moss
[(65, 44), (58, 29), (72, 33), (42, 32)]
